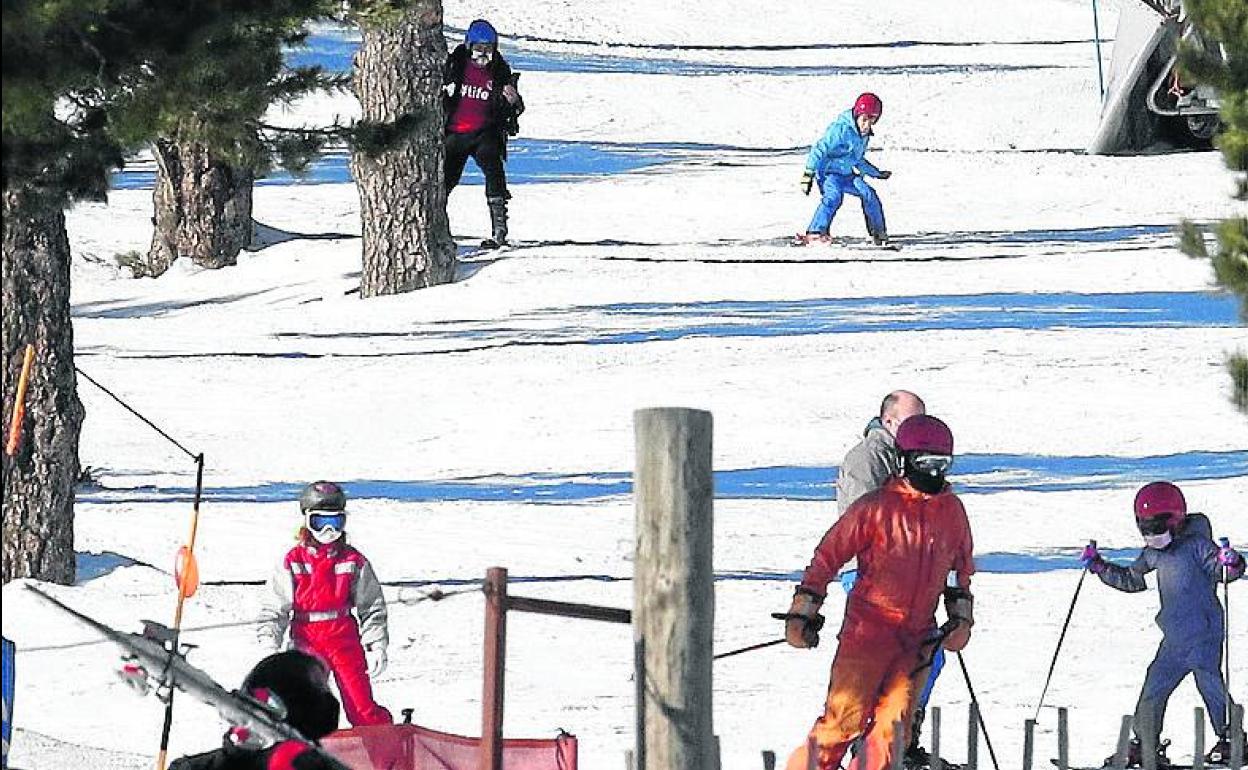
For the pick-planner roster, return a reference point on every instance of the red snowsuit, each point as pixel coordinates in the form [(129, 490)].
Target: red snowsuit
[(907, 542), (314, 590)]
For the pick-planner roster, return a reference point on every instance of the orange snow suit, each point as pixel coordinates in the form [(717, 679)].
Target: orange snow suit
[(907, 542)]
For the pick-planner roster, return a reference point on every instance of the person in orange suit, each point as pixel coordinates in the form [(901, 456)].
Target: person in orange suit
[(913, 544)]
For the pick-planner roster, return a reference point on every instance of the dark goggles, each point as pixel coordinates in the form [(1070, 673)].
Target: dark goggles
[(932, 464), (1157, 525), (320, 521)]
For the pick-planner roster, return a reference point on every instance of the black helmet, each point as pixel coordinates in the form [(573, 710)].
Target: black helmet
[(301, 684), (322, 496)]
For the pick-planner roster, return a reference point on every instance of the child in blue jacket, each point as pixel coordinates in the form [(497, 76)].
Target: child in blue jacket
[(838, 163), (1188, 565)]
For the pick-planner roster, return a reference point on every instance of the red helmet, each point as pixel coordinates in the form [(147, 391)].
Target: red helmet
[(1161, 498), (869, 104), (924, 433)]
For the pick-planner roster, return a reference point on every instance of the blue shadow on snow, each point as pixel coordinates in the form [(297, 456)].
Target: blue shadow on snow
[(973, 474)]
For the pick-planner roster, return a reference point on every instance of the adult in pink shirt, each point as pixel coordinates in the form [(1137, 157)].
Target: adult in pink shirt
[(482, 107)]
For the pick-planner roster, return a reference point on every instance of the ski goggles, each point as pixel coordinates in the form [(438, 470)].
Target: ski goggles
[(318, 522), (1156, 525), (933, 464)]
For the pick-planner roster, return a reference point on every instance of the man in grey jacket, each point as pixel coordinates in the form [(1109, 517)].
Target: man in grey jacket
[(874, 459)]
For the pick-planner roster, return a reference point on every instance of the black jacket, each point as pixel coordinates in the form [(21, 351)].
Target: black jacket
[(501, 115)]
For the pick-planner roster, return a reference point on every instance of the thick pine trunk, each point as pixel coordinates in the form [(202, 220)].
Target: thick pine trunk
[(39, 480), (407, 238), (202, 207)]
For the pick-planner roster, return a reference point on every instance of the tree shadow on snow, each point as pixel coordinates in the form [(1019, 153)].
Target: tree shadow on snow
[(263, 236)]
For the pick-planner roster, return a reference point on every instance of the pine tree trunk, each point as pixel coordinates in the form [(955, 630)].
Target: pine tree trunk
[(202, 207), (407, 238), (39, 479)]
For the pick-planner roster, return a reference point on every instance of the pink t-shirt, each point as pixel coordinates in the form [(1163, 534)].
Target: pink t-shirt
[(474, 96)]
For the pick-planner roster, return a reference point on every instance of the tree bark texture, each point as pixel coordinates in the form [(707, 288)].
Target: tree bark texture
[(38, 495), (202, 207), (407, 237)]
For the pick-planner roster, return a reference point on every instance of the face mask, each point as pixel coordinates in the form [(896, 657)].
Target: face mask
[(1158, 541), (481, 57), (925, 472)]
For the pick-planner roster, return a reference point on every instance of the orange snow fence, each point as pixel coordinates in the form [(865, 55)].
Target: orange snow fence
[(412, 747)]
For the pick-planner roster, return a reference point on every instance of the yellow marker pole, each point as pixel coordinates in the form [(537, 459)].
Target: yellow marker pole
[(19, 404), (186, 577)]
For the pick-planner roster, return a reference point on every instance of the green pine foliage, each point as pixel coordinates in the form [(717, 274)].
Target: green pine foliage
[(87, 82), (234, 76), (1226, 23)]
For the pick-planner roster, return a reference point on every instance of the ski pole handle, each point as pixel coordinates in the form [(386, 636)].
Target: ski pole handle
[(1225, 542)]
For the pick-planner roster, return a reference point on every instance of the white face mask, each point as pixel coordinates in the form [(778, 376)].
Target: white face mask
[(1158, 541), (326, 536)]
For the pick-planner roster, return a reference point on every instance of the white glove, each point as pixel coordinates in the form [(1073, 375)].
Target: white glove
[(376, 657)]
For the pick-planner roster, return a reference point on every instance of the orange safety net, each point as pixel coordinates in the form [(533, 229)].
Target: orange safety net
[(412, 747)]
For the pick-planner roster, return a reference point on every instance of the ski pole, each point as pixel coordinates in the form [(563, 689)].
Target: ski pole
[(1225, 542), (979, 712), (751, 648), (1061, 637)]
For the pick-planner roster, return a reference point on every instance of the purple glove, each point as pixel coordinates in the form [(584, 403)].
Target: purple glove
[(1091, 558), (1228, 556)]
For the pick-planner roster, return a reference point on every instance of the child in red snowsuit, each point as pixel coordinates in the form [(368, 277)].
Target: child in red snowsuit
[(908, 536), (314, 590)]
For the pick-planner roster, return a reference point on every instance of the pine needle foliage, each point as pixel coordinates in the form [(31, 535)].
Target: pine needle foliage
[(1225, 22)]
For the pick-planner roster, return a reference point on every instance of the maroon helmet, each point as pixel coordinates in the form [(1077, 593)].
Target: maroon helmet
[(869, 104), (924, 433), (1161, 499)]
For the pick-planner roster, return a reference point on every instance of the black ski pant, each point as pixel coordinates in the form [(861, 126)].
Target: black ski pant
[(489, 149)]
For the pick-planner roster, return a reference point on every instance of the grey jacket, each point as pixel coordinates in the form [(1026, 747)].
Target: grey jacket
[(867, 466), (1187, 576)]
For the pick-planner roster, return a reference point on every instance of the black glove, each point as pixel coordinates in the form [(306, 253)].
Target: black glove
[(808, 180), (885, 174), (800, 629)]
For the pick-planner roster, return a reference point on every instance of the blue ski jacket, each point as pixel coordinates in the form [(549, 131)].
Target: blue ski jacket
[(1187, 576), (840, 150)]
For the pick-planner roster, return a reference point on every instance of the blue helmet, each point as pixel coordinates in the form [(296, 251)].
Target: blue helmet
[(481, 31)]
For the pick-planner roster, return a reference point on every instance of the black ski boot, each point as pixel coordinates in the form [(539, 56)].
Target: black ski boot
[(1135, 756), (498, 223), (1220, 754)]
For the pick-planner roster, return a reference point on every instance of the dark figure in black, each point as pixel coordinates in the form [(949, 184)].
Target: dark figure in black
[(482, 107)]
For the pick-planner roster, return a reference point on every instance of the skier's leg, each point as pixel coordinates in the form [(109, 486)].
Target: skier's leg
[(1168, 668), (458, 148), (894, 704), (853, 688), (1206, 662), (489, 154), (829, 203), (920, 711), (872, 209), (346, 659)]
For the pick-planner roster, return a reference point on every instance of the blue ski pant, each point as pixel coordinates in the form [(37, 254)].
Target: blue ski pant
[(1174, 661), (848, 578), (834, 188)]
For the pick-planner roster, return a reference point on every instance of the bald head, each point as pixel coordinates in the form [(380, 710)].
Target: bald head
[(897, 406)]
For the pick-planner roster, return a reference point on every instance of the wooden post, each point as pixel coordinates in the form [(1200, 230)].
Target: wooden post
[(1029, 743), (1198, 745), (1124, 738), (972, 739), (674, 599), (1237, 731), (495, 655), (899, 745), (937, 764), (1063, 739)]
